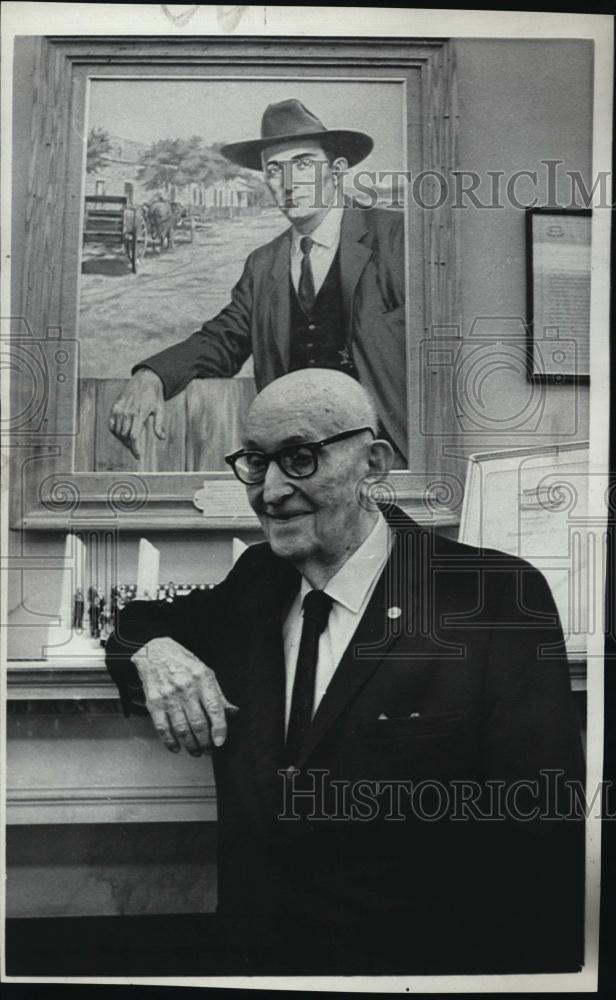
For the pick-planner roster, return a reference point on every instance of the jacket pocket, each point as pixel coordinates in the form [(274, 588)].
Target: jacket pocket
[(395, 318), (409, 727)]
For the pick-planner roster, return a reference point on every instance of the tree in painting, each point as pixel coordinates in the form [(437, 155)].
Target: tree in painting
[(179, 162), (99, 147)]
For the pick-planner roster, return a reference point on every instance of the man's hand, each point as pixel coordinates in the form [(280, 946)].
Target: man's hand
[(183, 697), (141, 397)]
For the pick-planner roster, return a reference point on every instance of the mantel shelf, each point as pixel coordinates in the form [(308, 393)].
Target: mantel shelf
[(64, 679), (61, 679)]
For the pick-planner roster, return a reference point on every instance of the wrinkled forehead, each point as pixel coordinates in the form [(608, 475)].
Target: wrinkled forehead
[(287, 151), (274, 425)]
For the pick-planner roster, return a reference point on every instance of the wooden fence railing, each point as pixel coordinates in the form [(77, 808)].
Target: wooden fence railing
[(202, 426)]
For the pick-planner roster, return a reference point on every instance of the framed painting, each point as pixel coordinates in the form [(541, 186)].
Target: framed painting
[(137, 233)]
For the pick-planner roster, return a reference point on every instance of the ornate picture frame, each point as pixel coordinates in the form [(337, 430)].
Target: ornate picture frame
[(49, 494)]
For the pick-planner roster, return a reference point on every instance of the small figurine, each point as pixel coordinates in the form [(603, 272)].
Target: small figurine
[(97, 611), (92, 610), (78, 610)]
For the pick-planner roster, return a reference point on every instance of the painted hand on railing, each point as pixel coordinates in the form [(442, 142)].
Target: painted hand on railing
[(141, 398)]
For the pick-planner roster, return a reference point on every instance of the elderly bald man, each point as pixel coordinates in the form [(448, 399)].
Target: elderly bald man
[(382, 705)]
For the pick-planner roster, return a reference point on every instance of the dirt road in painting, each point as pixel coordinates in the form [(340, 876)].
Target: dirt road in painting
[(124, 317)]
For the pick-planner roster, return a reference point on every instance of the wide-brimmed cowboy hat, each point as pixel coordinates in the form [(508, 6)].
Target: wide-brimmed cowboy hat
[(288, 120)]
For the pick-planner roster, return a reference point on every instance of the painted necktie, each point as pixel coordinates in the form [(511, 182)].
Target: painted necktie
[(305, 291)]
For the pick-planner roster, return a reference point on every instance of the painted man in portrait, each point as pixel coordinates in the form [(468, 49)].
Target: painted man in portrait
[(328, 292)]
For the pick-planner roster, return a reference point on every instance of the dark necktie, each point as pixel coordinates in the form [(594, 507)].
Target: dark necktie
[(317, 606), (305, 292)]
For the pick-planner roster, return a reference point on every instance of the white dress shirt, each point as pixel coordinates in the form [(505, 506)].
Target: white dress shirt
[(326, 239), (350, 589)]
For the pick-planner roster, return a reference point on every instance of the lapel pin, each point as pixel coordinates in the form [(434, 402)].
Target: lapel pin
[(394, 613)]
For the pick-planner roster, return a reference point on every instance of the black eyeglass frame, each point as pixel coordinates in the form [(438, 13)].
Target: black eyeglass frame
[(278, 456)]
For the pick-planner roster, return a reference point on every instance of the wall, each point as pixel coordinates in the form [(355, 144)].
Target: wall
[(520, 103)]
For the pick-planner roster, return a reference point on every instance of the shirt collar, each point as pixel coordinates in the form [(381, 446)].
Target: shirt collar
[(326, 234), (352, 583)]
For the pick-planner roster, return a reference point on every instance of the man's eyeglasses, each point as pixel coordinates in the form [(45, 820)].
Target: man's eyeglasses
[(298, 461), (303, 164)]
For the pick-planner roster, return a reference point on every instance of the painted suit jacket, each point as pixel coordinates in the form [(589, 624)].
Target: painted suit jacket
[(257, 320)]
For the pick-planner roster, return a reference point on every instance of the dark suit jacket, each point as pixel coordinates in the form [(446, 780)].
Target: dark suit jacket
[(257, 319), (473, 681)]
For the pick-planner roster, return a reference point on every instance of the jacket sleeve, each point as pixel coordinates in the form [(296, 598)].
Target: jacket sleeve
[(198, 622), (141, 621), (531, 722), (391, 270), (217, 350), (533, 749)]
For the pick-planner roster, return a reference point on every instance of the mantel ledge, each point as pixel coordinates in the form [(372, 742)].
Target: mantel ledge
[(59, 679)]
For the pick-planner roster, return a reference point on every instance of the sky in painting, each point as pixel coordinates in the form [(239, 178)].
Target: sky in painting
[(229, 111)]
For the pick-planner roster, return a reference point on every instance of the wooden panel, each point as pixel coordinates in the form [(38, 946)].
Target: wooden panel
[(111, 455), (85, 454), (36, 301), (168, 455), (441, 125), (215, 409), (98, 450), (440, 278), (44, 230)]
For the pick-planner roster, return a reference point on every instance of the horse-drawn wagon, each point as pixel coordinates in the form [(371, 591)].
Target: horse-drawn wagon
[(166, 221), (110, 220)]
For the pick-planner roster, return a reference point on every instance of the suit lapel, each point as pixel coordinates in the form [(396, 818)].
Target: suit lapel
[(378, 632), (277, 296), (265, 675), (355, 252), (380, 629)]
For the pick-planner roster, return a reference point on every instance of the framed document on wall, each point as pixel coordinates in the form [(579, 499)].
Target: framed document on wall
[(558, 294)]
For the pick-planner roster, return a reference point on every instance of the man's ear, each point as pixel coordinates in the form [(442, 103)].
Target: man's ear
[(380, 458), (340, 165), (380, 461)]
